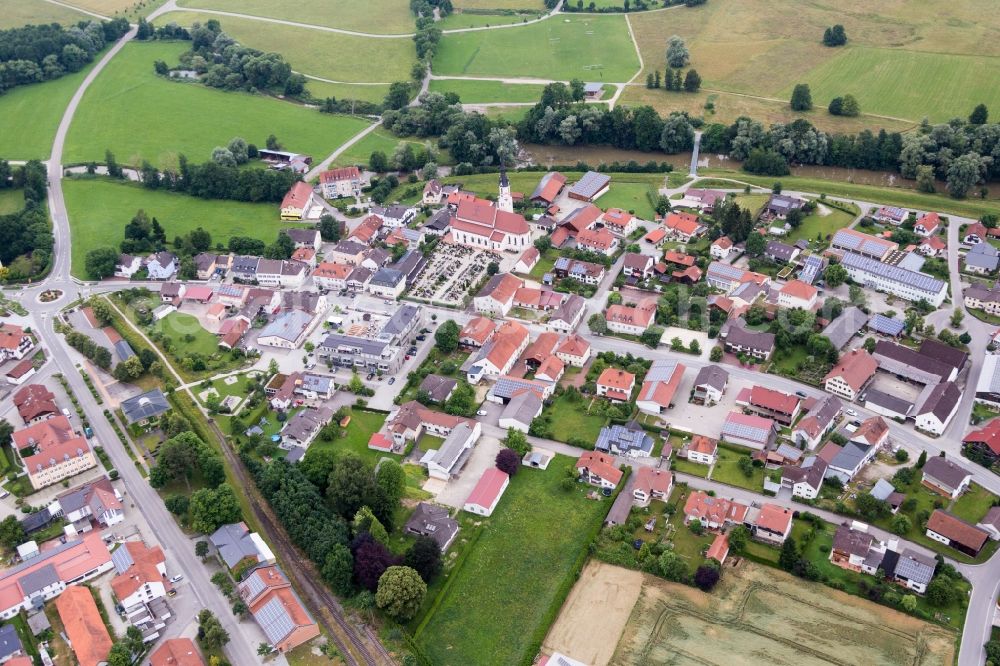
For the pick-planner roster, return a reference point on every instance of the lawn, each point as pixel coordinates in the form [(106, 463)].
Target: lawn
[(379, 139), (358, 91), (29, 115), (362, 426), (184, 331), (536, 537), (684, 466), (119, 109), (820, 225), (973, 504), (99, 210), (545, 264), (457, 21), (384, 17), (483, 5), (11, 200), (319, 53), (571, 421), (484, 92), (16, 13), (727, 470), (592, 48), (237, 388), (633, 197)]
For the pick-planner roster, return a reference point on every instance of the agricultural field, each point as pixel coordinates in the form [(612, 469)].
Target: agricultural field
[(334, 56), (535, 536), (379, 139), (763, 50), (113, 7), (460, 20), (100, 209), (591, 48), (29, 115), (756, 614), (115, 114), (482, 5), (11, 200), (16, 13), (384, 17), (485, 92), (364, 92)]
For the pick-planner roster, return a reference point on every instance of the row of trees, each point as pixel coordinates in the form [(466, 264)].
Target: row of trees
[(25, 236), (36, 53)]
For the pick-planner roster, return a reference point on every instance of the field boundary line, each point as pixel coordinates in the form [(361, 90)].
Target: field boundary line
[(293, 24), (342, 83), (79, 9)]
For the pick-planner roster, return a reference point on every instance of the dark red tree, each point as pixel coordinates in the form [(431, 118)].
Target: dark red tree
[(706, 577), (371, 559), (508, 461)]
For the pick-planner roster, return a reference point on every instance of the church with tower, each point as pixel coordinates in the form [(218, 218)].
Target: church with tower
[(491, 226)]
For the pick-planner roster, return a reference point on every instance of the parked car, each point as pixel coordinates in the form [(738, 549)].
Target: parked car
[(850, 412), (392, 380), (177, 578), (481, 412), (801, 394)]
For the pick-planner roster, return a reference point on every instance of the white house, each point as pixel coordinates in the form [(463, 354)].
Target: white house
[(721, 248), (702, 450), (937, 410), (343, 182), (945, 477), (161, 266), (127, 266), (443, 463)]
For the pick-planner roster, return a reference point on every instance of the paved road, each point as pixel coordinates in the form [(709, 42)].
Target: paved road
[(693, 170), (322, 166)]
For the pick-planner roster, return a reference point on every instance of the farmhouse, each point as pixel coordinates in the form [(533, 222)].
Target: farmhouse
[(598, 469), (927, 365), (343, 182), (945, 477), (498, 355), (600, 241), (548, 188), (615, 384), (619, 222), (486, 495), (477, 332), (851, 373), (955, 532), (497, 295)]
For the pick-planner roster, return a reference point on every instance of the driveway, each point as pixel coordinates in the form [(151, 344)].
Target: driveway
[(483, 457)]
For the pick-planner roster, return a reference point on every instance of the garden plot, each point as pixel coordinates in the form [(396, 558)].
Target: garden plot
[(453, 271)]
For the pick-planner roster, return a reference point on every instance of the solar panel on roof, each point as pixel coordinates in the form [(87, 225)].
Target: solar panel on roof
[(661, 371), (913, 279), (274, 620), (743, 430), (254, 585)]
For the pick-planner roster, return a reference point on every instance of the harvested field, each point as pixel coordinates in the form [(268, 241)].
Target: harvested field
[(756, 615), (587, 635)]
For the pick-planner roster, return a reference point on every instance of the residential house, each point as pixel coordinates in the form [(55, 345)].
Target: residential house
[(682, 226), (651, 484), (582, 271), (305, 238), (985, 440), (332, 277), (932, 246), (721, 248), (57, 452), (304, 425), (904, 283), (231, 295), (619, 222), (277, 609), (850, 459), (176, 652), (750, 430), (620, 440), (615, 384), (873, 247), (14, 342), (927, 225), (590, 187), (954, 532), (477, 332), (945, 477), (142, 409), (781, 407), (659, 386), (364, 354), (342, 182), (281, 273), (939, 406), (232, 331), (598, 469), (527, 261), (487, 492), (299, 202), (386, 283), (127, 266), (797, 294), (161, 266), (433, 193), (974, 234), (806, 479), (237, 545), (573, 350), (714, 513), (911, 569), (639, 266), (498, 356), (433, 521), (772, 524), (566, 317), (702, 450), (84, 628), (781, 253), (710, 385), (35, 403), (396, 215), (727, 278), (740, 340), (497, 295), (702, 199), (346, 252), (890, 215), (600, 241), (852, 372), (205, 263), (445, 462), (779, 205), (821, 419), (142, 574), (852, 546), (172, 292), (437, 387), (631, 320), (982, 259), (96, 502)]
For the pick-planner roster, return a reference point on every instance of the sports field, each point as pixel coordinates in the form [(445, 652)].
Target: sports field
[(756, 615), (592, 48), (764, 49), (29, 116), (383, 17), (100, 209), (485, 92), (141, 116), (16, 13), (325, 54)]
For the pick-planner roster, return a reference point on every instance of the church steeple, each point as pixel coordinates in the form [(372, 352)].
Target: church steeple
[(504, 200)]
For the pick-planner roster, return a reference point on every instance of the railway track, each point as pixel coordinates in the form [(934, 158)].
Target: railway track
[(356, 648)]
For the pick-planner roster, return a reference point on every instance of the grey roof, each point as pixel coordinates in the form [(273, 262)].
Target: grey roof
[(400, 320), (946, 354), (813, 266), (811, 471), (39, 579), (38, 623), (592, 87), (145, 406), (452, 447), (863, 243), (523, 407), (985, 249), (989, 377), (874, 559), (945, 471), (349, 247), (986, 262), (846, 326), (882, 489), (789, 452), (275, 620), (364, 345), (746, 431), (913, 358), (914, 567), (295, 454), (852, 541), (849, 456), (410, 264), (124, 350), (438, 387), (590, 184), (569, 309), (439, 221), (712, 375), (918, 281), (780, 251), (890, 402), (287, 325), (37, 520), (307, 236), (234, 543), (885, 325), (317, 383), (306, 422), (245, 264), (9, 642), (722, 271), (753, 339), (433, 521), (782, 203), (941, 401), (387, 277)]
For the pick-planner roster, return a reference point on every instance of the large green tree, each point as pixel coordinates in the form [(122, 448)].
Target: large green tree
[(446, 336), (400, 592), (801, 97), (212, 508)]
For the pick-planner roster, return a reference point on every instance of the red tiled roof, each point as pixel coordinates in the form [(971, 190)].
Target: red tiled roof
[(552, 367), (379, 442), (10, 335), (656, 235), (713, 509), (775, 518), (648, 479), (776, 401), (333, 271), (301, 254), (368, 228), (799, 289), (929, 222), (504, 289), (555, 182), (343, 173), (674, 257), (855, 368), (719, 548), (640, 315), (84, 627), (871, 430), (478, 215), (600, 239), (35, 400), (53, 439), (600, 464), (614, 378), (957, 530), (703, 444), (723, 241), (935, 243), (560, 236), (573, 345), (176, 652), (685, 223), (988, 436), (616, 217), (298, 196), (479, 329)]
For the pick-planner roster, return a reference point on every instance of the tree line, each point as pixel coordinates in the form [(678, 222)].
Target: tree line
[(36, 53), (25, 236)]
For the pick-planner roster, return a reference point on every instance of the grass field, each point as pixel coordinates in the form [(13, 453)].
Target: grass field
[(974, 504), (16, 13), (535, 5), (727, 470), (29, 115), (362, 426), (106, 7), (384, 17), (11, 200), (484, 92), (909, 47), (100, 209), (325, 54), (365, 93), (535, 535), (820, 224), (592, 48), (186, 333), (117, 110), (758, 614), (459, 20), (570, 420), (633, 197), (379, 139)]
